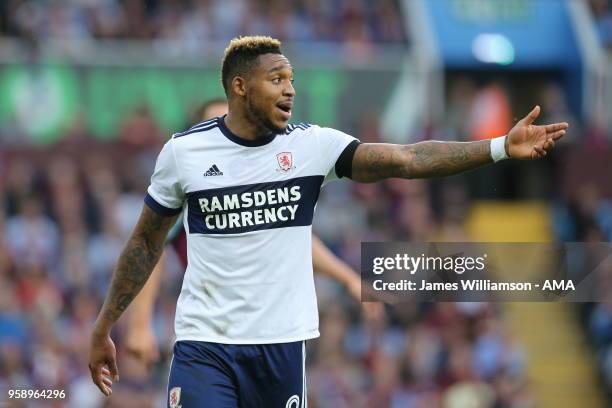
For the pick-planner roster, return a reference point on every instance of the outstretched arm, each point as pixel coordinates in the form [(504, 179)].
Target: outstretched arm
[(374, 162), (135, 264)]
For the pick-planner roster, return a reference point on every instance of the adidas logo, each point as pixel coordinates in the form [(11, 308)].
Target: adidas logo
[(213, 171)]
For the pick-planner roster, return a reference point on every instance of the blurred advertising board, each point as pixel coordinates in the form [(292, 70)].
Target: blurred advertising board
[(43, 100)]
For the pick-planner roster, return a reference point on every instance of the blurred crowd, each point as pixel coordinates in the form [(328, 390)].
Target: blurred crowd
[(66, 212), (197, 22), (586, 216), (65, 216)]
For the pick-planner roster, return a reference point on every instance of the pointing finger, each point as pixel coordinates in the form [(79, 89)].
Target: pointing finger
[(535, 112), (557, 135), (556, 127)]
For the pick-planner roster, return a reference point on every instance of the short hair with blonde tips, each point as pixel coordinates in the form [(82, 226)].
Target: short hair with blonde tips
[(241, 56)]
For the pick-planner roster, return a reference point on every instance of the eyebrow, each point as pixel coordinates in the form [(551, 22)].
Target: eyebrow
[(280, 68)]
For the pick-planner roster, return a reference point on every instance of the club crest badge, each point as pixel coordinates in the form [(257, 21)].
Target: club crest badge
[(285, 161), (174, 397)]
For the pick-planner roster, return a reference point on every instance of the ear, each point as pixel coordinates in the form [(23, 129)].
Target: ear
[(239, 85)]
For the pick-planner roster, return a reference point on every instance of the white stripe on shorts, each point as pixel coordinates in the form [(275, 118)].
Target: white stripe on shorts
[(304, 397)]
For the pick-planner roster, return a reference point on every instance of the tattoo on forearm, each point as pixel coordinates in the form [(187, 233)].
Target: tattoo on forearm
[(136, 263), (375, 162), (434, 159)]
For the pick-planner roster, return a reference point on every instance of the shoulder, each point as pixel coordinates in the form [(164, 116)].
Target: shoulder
[(322, 132), (199, 128), (316, 131)]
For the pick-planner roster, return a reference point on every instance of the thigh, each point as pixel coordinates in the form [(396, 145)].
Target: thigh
[(272, 375), (200, 377)]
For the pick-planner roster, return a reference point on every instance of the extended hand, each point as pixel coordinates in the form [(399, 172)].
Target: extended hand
[(102, 362), (528, 141)]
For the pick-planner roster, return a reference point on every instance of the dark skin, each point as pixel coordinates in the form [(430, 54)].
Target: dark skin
[(260, 102), (378, 161), (135, 264), (267, 87)]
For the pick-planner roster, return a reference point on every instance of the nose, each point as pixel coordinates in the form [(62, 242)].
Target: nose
[(289, 90)]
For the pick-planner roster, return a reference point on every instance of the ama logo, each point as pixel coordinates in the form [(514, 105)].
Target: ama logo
[(285, 161)]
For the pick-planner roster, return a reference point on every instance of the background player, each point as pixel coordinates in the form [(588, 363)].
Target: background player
[(258, 81)]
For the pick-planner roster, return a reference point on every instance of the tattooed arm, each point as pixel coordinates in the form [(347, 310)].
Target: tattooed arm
[(135, 264), (373, 162)]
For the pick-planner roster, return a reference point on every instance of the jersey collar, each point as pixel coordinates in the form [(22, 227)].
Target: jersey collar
[(263, 140)]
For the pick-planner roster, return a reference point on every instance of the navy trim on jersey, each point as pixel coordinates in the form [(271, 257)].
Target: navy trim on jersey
[(292, 127), (344, 164), (160, 209), (261, 141), (196, 129), (253, 207), (206, 122)]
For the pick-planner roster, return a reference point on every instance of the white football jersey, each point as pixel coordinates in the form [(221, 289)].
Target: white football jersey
[(248, 208)]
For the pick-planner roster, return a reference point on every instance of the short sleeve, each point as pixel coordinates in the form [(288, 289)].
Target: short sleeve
[(165, 195), (332, 143)]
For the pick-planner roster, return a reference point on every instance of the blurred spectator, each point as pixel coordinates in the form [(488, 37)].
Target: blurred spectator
[(195, 23), (32, 238), (586, 216), (491, 113)]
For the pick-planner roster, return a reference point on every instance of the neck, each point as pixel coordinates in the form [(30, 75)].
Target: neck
[(244, 128)]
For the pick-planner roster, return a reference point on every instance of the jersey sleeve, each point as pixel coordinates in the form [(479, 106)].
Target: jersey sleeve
[(336, 151), (165, 195)]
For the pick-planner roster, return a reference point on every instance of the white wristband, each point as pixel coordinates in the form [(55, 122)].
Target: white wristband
[(498, 149)]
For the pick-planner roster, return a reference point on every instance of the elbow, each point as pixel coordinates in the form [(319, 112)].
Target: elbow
[(147, 243)]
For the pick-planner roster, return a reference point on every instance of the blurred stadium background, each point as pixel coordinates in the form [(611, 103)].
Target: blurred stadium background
[(90, 89)]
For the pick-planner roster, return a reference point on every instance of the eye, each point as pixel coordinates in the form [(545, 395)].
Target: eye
[(276, 81), (292, 80)]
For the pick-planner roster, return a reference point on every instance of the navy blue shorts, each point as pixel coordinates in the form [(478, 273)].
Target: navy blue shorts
[(213, 375)]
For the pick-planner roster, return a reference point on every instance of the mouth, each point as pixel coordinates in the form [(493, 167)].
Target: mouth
[(285, 109)]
